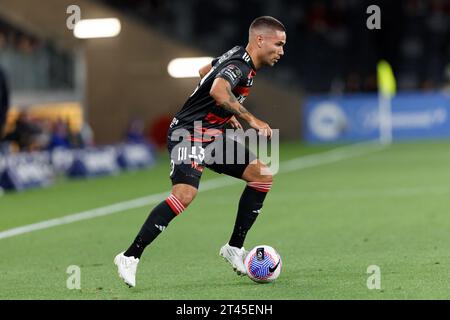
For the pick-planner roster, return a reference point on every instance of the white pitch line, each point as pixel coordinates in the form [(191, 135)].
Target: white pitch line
[(331, 156), (400, 192), (304, 162)]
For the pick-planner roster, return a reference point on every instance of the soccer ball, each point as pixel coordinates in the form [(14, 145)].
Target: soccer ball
[(263, 264)]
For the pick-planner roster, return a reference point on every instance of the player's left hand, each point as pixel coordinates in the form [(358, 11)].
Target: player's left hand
[(235, 123)]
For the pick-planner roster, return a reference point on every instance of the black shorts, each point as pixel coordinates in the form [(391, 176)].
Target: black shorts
[(223, 155)]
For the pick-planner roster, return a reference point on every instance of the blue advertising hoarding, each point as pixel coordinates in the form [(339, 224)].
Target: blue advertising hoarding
[(38, 169), (352, 118)]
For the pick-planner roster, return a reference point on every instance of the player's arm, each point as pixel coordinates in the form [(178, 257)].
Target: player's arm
[(224, 97)]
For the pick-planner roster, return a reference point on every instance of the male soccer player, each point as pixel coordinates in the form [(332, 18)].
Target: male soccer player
[(224, 85)]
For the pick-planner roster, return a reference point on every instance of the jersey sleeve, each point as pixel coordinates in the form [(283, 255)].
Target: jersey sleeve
[(233, 72), (214, 61)]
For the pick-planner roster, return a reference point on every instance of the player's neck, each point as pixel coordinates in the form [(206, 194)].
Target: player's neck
[(252, 52)]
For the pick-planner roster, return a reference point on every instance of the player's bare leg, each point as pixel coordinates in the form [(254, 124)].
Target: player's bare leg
[(257, 171), (158, 220), (259, 181), (185, 193)]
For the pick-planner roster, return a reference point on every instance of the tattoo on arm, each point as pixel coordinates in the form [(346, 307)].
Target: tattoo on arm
[(226, 105), (242, 110), (229, 108), (231, 95)]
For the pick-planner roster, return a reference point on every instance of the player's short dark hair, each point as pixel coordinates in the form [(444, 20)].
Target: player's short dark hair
[(268, 22)]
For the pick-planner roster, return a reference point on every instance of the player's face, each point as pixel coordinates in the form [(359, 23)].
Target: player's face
[(272, 47)]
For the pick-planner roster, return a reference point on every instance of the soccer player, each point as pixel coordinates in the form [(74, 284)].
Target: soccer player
[(217, 100)]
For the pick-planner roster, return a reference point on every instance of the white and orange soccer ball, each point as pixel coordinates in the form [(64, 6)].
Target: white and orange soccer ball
[(263, 264)]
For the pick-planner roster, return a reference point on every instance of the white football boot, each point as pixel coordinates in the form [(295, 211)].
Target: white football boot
[(126, 267), (235, 256)]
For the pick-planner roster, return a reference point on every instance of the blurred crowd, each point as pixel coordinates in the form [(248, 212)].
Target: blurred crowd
[(29, 64), (33, 64), (329, 47), (37, 134)]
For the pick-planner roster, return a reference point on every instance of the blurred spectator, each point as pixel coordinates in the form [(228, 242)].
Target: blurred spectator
[(135, 132), (446, 85), (317, 17), (87, 135), (26, 133), (370, 83), (60, 136), (353, 82), (83, 138), (4, 100)]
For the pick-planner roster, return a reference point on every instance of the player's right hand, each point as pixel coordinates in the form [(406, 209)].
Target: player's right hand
[(262, 127), (235, 123)]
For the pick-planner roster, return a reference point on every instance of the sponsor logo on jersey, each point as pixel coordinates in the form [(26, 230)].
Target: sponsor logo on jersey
[(233, 72)]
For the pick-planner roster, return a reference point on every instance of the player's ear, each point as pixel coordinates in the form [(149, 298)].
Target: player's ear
[(259, 40)]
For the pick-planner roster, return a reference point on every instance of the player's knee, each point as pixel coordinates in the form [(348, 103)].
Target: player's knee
[(186, 199), (258, 172), (263, 175), (261, 181), (185, 195), (266, 177)]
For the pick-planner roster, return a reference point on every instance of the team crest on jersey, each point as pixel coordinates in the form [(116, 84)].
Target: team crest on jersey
[(233, 72)]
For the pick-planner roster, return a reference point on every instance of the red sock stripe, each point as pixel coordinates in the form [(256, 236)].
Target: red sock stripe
[(175, 204), (260, 186)]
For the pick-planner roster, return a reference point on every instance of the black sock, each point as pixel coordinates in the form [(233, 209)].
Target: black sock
[(156, 222), (250, 205)]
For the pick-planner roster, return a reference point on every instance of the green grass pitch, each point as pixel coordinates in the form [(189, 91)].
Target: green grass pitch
[(329, 222)]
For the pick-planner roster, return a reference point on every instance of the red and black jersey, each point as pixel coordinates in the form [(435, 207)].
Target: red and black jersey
[(237, 68)]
